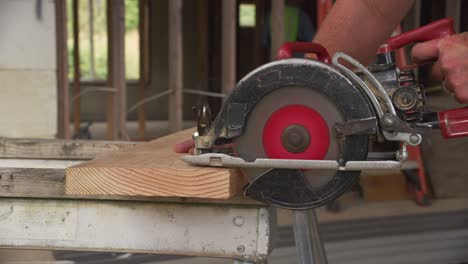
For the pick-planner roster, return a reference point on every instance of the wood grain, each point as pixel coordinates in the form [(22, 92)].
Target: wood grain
[(152, 169), (58, 149)]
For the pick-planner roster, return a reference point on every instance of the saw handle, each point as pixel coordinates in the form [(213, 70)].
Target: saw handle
[(287, 49), (454, 123), (435, 30)]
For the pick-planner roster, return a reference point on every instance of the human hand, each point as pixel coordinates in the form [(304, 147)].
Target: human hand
[(187, 146), (451, 66)]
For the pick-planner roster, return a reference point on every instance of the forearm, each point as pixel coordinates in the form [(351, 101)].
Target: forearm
[(359, 27)]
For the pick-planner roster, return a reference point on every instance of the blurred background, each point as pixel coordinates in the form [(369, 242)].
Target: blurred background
[(133, 70), (60, 65)]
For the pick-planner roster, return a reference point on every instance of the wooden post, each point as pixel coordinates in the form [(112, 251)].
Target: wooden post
[(453, 9), (116, 70), (175, 66), (277, 26), (228, 45), (63, 108), (144, 64), (76, 69), (202, 15), (259, 28)]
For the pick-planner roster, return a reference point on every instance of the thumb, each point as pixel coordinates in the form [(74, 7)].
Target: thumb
[(425, 51), (184, 146)]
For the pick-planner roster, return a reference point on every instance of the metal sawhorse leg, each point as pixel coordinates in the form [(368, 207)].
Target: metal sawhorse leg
[(309, 246)]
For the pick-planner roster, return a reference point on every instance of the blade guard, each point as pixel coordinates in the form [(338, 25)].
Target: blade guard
[(287, 189)]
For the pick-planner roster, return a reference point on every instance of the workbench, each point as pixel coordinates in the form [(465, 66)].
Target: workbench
[(35, 213)]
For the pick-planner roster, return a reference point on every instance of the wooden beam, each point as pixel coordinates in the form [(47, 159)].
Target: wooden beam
[(144, 64), (228, 45), (116, 70), (76, 69), (277, 26), (152, 169), (259, 28), (453, 9), (59, 149), (175, 66), (203, 53), (110, 134), (63, 107)]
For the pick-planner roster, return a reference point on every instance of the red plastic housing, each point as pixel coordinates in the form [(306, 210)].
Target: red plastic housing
[(435, 30), (287, 49), (454, 123)]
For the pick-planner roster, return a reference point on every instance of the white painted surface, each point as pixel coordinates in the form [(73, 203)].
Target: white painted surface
[(26, 42), (28, 79), (179, 229)]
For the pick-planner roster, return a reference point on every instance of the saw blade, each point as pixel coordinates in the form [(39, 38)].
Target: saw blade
[(251, 145)]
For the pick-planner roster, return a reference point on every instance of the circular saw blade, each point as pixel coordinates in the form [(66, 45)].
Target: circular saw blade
[(250, 145)]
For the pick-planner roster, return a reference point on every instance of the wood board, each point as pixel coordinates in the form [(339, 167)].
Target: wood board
[(152, 169)]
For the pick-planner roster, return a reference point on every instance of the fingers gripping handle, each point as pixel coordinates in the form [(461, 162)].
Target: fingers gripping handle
[(454, 123), (435, 30), (287, 49)]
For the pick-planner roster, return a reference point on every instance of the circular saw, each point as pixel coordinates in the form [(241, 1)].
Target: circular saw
[(301, 128)]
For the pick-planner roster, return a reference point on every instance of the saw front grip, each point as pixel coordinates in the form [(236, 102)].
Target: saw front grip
[(287, 50), (435, 30)]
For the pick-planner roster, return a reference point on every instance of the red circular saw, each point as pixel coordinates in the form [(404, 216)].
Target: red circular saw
[(300, 128)]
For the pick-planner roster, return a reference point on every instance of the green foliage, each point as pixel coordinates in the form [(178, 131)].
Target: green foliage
[(131, 15), (100, 38)]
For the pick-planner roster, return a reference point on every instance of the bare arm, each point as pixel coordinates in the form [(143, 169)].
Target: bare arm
[(359, 27)]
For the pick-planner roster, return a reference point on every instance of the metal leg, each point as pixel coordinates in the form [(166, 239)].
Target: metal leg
[(306, 235)]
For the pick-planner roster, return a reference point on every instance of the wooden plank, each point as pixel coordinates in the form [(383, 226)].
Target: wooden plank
[(152, 169), (26, 181), (277, 26), (175, 66), (58, 149), (76, 69), (63, 108), (117, 80), (228, 45), (50, 184)]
